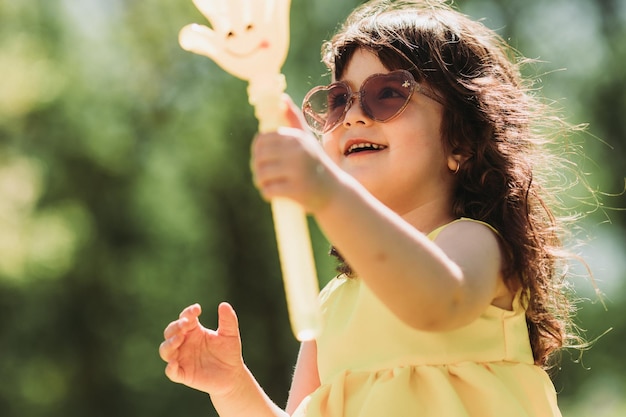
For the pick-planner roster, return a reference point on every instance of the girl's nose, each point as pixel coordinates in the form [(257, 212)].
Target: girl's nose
[(354, 113)]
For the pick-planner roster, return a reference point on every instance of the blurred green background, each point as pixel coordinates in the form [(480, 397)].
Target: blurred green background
[(125, 195)]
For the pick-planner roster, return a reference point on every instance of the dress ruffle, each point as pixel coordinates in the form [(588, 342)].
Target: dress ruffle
[(459, 390)]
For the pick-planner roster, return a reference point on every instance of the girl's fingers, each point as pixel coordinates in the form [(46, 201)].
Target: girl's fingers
[(187, 321), (292, 114), (171, 329), (272, 152), (267, 146), (169, 346), (174, 372), (177, 327), (193, 310)]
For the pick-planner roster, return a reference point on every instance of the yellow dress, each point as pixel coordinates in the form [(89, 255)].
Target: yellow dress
[(373, 365)]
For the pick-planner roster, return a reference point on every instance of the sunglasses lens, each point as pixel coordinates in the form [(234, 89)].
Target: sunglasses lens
[(385, 96), (324, 107), (382, 97)]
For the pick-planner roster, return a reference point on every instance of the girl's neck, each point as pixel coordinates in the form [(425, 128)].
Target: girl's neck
[(428, 217)]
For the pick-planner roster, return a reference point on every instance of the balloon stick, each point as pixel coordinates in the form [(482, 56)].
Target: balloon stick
[(250, 39)]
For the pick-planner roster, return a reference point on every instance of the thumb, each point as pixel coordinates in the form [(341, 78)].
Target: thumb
[(293, 115), (227, 324)]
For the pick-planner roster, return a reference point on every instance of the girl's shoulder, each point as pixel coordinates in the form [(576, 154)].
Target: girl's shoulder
[(475, 235)]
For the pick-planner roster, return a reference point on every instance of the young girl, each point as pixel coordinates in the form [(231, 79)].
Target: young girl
[(449, 302)]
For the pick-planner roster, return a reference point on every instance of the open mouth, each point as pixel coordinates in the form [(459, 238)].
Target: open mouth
[(363, 147)]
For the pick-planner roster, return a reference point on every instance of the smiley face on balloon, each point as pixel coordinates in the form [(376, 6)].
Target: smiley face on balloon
[(248, 38)]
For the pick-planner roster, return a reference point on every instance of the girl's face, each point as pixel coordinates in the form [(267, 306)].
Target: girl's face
[(402, 162)]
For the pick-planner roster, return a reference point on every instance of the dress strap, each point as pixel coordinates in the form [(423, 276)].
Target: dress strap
[(433, 235)]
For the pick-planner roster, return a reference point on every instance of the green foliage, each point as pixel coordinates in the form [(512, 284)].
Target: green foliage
[(125, 195)]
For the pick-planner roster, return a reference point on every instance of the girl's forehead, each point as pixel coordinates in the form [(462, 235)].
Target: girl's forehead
[(361, 65)]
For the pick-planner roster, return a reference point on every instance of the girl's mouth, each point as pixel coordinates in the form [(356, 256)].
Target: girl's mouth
[(363, 147)]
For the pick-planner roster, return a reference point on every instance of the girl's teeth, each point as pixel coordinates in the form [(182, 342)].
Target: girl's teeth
[(364, 146)]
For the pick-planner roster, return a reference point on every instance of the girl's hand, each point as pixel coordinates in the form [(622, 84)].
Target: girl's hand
[(204, 359), (291, 163)]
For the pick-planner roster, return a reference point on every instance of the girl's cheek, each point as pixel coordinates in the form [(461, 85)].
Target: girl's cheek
[(330, 146)]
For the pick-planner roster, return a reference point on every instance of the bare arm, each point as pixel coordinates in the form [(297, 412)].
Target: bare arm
[(429, 285), (305, 377), (247, 399)]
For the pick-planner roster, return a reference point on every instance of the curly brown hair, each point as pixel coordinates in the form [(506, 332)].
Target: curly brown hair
[(494, 121)]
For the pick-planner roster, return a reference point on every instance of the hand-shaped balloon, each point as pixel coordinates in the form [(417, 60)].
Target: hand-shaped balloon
[(250, 39)]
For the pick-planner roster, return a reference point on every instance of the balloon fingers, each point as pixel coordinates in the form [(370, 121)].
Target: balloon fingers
[(198, 39)]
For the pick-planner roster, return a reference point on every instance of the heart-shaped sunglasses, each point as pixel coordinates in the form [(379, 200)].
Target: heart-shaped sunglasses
[(381, 97)]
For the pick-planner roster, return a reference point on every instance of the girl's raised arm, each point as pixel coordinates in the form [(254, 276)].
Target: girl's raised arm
[(429, 285)]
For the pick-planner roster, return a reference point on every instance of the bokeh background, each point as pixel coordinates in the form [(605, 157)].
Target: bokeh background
[(125, 195)]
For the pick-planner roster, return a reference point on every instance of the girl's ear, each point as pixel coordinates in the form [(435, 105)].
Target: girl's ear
[(454, 162)]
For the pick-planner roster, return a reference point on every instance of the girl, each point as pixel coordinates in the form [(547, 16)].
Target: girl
[(449, 302)]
